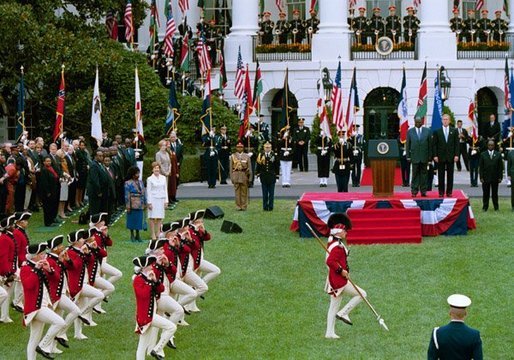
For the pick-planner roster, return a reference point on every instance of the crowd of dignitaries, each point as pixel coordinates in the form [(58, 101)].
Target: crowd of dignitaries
[(59, 282)]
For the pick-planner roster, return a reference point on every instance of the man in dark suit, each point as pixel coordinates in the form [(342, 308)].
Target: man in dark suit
[(129, 154), (455, 340), (491, 174), (492, 130), (97, 185), (301, 138), (446, 154), (463, 146), (268, 168), (419, 151)]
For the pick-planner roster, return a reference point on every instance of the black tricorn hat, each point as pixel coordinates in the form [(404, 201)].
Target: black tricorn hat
[(22, 215), (172, 226), (339, 219), (156, 244), (78, 235), (55, 241), (199, 214), (35, 249), (144, 261)]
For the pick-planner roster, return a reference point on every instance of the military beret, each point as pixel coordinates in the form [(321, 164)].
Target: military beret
[(266, 13), (498, 12), (485, 11), (392, 7)]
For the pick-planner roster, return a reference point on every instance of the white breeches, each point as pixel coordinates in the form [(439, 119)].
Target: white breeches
[(145, 340), (209, 270), (166, 304), (4, 309), (112, 274), (335, 303), (285, 169), (44, 316), (186, 292)]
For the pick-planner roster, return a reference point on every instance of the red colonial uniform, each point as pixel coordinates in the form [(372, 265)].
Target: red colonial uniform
[(33, 281), (198, 238), (76, 271), (172, 254), (102, 240), (147, 292), (8, 258), (94, 259), (22, 240), (183, 253), (57, 279), (336, 262)]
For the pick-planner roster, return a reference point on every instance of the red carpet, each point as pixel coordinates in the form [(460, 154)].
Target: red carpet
[(367, 177)]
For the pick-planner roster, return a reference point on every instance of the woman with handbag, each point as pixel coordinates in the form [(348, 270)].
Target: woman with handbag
[(135, 200)]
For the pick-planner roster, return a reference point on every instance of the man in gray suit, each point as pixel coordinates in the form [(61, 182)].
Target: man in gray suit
[(418, 151)]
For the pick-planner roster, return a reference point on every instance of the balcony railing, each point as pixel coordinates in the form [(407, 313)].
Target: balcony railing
[(402, 50), (487, 51), (280, 52)]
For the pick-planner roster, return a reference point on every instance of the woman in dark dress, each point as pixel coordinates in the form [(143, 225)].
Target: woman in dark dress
[(49, 191)]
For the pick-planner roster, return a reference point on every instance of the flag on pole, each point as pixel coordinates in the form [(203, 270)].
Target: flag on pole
[(511, 92), (261, 6), (402, 110), (279, 5), (183, 5), (314, 5), (479, 4), (421, 111), (240, 77), (201, 3), (416, 3), (506, 8), (223, 70), (96, 112), (284, 120), (206, 118), (247, 103), (337, 101), (59, 114), (173, 110), (111, 24), (203, 56), (324, 124), (437, 113), (353, 104), (472, 110), (351, 5), (506, 88), (138, 110), (184, 54), (20, 114), (154, 25), (456, 4), (129, 23), (171, 28), (257, 89)]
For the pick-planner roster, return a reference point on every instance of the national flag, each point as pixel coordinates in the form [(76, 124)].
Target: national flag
[(171, 28), (129, 23), (240, 73), (456, 4), (247, 105), (183, 5), (353, 105), (286, 109), (20, 114), (279, 5), (324, 124), (138, 110), (314, 5), (173, 110), (337, 101), (421, 111), (416, 3), (437, 113), (506, 8), (511, 92), (203, 56), (227, 13), (184, 54), (96, 112), (206, 118), (472, 118), (479, 4), (59, 114), (257, 88), (111, 24), (261, 6), (223, 70), (154, 24), (506, 88), (351, 5), (402, 110), (201, 3)]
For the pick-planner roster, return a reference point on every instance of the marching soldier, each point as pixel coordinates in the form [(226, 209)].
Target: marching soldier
[(360, 27), (324, 148), (456, 340), (285, 142), (471, 26), (282, 28), (376, 25), (266, 29), (223, 145), (457, 25), (301, 138), (240, 174), (410, 26), (338, 274), (8, 264), (267, 170), (356, 142), (393, 25), (342, 163), (22, 242), (297, 28), (210, 157), (484, 26), (499, 26), (311, 25)]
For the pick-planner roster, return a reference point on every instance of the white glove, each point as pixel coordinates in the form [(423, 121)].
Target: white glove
[(341, 141), (404, 153), (510, 135), (250, 154), (323, 152), (286, 153), (137, 155), (355, 152), (212, 153), (211, 133), (248, 133), (473, 152), (286, 134), (322, 133)]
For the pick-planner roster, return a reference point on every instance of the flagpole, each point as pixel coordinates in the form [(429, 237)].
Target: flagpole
[(62, 117), (23, 108), (135, 118), (287, 105)]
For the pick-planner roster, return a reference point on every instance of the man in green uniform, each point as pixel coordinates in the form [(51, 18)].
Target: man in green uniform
[(471, 27), (457, 25), (499, 26), (393, 25), (360, 27), (377, 26)]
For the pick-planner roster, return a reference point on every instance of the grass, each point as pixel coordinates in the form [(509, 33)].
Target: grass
[(269, 302)]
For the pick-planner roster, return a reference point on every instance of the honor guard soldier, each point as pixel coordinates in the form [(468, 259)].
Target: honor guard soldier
[(337, 282), (268, 171), (285, 144), (455, 340), (282, 28), (8, 265), (360, 27), (499, 27), (376, 25), (404, 164), (357, 144), (484, 27), (324, 149), (147, 290), (474, 151), (37, 308), (223, 145), (251, 144), (202, 27), (210, 157), (311, 26), (22, 242), (342, 161), (351, 14), (457, 25), (212, 36), (471, 26), (410, 26), (263, 129), (297, 28), (240, 174), (301, 138), (266, 29), (393, 25)]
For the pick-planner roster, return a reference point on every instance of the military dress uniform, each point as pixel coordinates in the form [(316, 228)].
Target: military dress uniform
[(22, 241), (360, 27), (210, 158), (342, 164), (457, 25), (311, 26), (282, 28), (251, 142), (302, 134), (376, 27), (499, 27), (297, 28), (223, 145), (8, 266), (286, 154), (404, 164), (266, 31), (240, 175), (474, 152), (484, 27), (323, 152), (471, 28), (356, 142), (410, 28), (268, 169), (393, 27)]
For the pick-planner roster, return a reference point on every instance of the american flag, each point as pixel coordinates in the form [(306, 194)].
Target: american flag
[(279, 5), (352, 3), (129, 26), (239, 87), (479, 4), (59, 114), (353, 105), (203, 56), (171, 28), (506, 88), (337, 101), (417, 3), (247, 108), (471, 116), (111, 23), (322, 109), (183, 5)]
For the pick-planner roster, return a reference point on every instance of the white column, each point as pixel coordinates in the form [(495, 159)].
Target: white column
[(244, 26), (193, 15), (333, 37), (435, 39), (511, 20)]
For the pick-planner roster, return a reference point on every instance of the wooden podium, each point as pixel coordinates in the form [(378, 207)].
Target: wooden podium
[(383, 155)]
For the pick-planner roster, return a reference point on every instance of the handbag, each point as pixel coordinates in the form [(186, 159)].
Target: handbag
[(136, 199)]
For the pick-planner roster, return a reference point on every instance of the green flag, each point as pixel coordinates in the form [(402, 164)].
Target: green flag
[(184, 52), (201, 4), (421, 111)]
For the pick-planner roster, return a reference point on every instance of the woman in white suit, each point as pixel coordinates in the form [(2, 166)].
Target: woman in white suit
[(157, 199)]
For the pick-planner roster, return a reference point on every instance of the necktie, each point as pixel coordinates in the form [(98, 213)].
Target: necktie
[(491, 154), (419, 133), (446, 134)]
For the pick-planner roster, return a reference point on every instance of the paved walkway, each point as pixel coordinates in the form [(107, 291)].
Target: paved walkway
[(308, 182)]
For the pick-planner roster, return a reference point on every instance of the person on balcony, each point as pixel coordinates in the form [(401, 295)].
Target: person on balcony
[(360, 27), (297, 28), (212, 36), (282, 28), (499, 27), (471, 26), (410, 26), (484, 25), (393, 25), (266, 30), (377, 25), (457, 25), (311, 25)]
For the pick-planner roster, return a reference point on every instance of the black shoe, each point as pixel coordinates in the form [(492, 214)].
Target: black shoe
[(157, 356), (171, 344), (62, 342), (17, 308), (44, 353), (84, 320), (414, 194), (187, 312), (424, 194), (448, 194), (441, 195), (105, 299), (202, 297), (496, 209), (223, 183), (346, 321)]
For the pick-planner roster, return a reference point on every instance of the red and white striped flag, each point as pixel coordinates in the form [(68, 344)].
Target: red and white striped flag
[(203, 56), (417, 3), (239, 86), (479, 5), (171, 28), (337, 101), (353, 3), (506, 88), (471, 116), (183, 5), (111, 23), (279, 5), (59, 113), (353, 105), (129, 25)]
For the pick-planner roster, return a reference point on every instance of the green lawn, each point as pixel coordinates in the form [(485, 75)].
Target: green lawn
[(269, 300)]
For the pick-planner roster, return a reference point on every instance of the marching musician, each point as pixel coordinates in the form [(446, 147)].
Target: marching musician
[(360, 27), (282, 28), (499, 26), (376, 25), (484, 26), (410, 26), (297, 28), (22, 242), (324, 148), (457, 25), (266, 29), (393, 25)]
